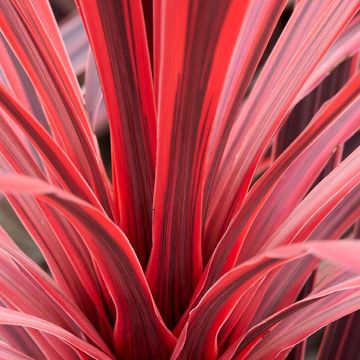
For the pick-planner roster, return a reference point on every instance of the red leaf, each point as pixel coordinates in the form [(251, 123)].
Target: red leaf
[(346, 108), (300, 48), (117, 36), (136, 318), (259, 23), (12, 317), (339, 340), (64, 170), (320, 201), (66, 256), (59, 93), (341, 217), (347, 45), (305, 158), (198, 338), (19, 339), (195, 49), (19, 83), (265, 299), (9, 353), (305, 317), (305, 110), (52, 296)]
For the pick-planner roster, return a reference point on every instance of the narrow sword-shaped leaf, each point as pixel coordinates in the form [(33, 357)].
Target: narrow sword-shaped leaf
[(305, 110), (15, 293), (48, 148), (341, 218), (272, 300), (139, 330), (198, 338), (333, 226), (266, 299), (346, 46), (340, 340), (337, 339), (49, 346), (260, 229), (326, 124), (318, 203), (195, 49), (12, 317), (67, 258), (299, 49), (311, 145), (19, 82), (285, 277), (244, 62), (8, 352), (23, 27), (45, 14), (43, 281), (19, 339), (305, 316), (116, 32)]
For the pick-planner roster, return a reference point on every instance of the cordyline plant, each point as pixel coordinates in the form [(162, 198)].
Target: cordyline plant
[(235, 166)]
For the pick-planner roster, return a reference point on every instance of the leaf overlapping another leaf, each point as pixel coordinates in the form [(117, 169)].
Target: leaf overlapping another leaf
[(229, 226)]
